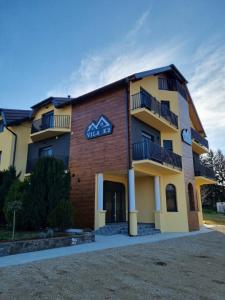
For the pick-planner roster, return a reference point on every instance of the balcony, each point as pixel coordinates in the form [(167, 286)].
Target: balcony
[(149, 110), (32, 162), (153, 159), (203, 174), (200, 145), (49, 127)]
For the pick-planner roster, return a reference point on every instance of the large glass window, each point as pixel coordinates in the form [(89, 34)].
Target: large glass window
[(191, 197), (48, 120), (171, 198), (46, 152)]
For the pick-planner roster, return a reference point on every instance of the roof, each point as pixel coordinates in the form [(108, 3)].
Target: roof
[(171, 69), (14, 116), (56, 101), (124, 81)]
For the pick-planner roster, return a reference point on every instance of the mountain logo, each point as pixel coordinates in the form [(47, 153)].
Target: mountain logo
[(186, 136), (99, 128)]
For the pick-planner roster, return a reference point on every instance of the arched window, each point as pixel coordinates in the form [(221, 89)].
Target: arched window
[(191, 197), (171, 198)]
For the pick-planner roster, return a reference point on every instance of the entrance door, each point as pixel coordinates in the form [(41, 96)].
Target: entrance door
[(114, 202)]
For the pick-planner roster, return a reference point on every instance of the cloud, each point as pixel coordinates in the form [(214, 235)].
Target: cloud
[(208, 89), (119, 60), (206, 70)]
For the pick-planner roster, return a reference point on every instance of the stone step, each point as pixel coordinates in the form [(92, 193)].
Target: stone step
[(122, 228)]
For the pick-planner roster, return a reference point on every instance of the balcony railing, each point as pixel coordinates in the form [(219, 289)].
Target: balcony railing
[(145, 100), (201, 170), (32, 162), (56, 121), (152, 151), (199, 139)]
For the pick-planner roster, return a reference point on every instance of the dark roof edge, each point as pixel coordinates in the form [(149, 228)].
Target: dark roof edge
[(120, 83)]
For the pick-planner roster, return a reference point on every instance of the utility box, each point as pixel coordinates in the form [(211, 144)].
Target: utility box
[(220, 207)]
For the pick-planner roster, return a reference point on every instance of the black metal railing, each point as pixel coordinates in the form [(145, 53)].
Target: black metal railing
[(201, 170), (152, 151), (56, 121), (32, 162), (145, 100), (199, 139)]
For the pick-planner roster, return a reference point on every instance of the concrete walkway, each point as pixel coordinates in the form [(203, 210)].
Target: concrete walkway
[(102, 242)]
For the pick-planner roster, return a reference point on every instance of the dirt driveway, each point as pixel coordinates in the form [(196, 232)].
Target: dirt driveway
[(184, 268)]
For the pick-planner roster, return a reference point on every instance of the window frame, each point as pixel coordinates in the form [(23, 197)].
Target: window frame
[(46, 148), (169, 199)]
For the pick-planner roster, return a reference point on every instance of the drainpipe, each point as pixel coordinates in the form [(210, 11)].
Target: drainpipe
[(15, 144), (129, 156)]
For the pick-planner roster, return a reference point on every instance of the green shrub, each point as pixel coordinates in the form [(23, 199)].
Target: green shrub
[(61, 216), (15, 195), (7, 177), (49, 184)]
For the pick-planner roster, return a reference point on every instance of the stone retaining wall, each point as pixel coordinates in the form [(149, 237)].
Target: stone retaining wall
[(24, 246)]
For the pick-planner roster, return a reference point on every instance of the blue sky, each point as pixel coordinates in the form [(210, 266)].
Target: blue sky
[(61, 47)]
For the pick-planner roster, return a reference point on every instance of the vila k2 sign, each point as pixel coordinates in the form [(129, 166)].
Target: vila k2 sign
[(99, 128)]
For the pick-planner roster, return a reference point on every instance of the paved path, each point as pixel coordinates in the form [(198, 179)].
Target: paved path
[(102, 242)]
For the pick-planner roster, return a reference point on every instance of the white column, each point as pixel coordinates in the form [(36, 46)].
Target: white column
[(157, 193), (100, 191), (131, 191)]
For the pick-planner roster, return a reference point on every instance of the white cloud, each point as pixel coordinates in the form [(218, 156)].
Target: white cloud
[(207, 69), (207, 88), (119, 60)]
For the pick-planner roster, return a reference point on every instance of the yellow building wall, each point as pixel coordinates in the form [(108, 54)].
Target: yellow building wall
[(173, 221), (7, 144), (23, 138), (145, 199), (169, 221), (150, 84), (6, 147), (66, 110)]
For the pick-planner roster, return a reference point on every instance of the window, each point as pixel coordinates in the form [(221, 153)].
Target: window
[(191, 197), (171, 198), (162, 84), (1, 126), (46, 152), (168, 145), (146, 137)]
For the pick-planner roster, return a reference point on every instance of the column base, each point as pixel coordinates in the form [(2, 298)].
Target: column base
[(157, 220), (100, 218), (133, 222)]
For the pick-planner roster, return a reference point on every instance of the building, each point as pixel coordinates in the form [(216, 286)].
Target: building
[(132, 148)]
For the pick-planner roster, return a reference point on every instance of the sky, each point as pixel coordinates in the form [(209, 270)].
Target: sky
[(69, 47)]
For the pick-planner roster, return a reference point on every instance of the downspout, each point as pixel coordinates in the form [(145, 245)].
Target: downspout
[(129, 156), (15, 145)]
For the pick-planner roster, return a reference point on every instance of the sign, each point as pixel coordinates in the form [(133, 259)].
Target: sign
[(186, 136), (99, 128)]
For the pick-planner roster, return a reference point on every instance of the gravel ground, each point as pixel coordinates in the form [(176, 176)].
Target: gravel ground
[(184, 268)]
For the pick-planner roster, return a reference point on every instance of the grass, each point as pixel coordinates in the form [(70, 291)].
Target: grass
[(6, 235), (211, 217)]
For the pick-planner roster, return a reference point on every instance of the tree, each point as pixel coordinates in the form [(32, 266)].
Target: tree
[(215, 192), (61, 216), (7, 178), (48, 185)]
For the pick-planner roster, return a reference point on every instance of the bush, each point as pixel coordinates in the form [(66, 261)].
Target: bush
[(61, 216), (49, 184), (7, 178), (15, 195)]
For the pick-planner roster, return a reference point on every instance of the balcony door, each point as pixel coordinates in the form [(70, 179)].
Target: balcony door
[(48, 120), (114, 202), (147, 140)]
